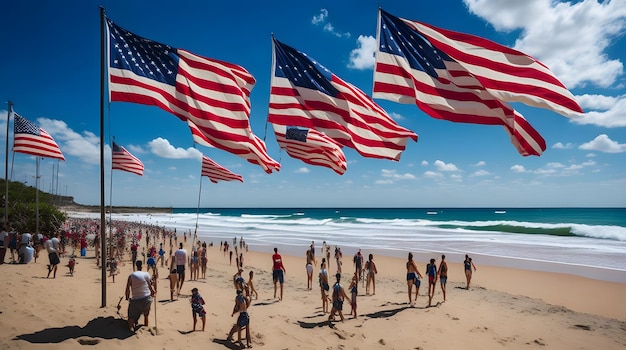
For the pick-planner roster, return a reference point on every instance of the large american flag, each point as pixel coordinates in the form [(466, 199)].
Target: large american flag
[(311, 147), (306, 94), (464, 78), (30, 139), (123, 160), (216, 172), (213, 95)]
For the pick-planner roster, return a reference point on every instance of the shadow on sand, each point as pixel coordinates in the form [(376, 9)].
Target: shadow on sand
[(100, 327)]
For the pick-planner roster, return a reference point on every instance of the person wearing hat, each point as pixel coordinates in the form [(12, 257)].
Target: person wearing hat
[(197, 308), (140, 284)]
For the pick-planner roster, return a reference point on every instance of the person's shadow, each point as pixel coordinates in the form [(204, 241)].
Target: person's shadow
[(100, 327)]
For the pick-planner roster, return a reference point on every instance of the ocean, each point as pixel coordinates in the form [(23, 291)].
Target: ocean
[(589, 242)]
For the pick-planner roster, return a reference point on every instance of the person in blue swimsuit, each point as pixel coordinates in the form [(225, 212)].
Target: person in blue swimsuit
[(412, 278), (339, 295), (468, 265)]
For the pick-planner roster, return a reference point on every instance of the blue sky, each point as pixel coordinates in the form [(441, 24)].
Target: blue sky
[(50, 70)]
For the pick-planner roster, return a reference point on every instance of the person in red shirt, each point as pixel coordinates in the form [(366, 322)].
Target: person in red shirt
[(278, 272)]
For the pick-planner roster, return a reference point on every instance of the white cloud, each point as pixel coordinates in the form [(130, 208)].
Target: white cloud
[(396, 116), (321, 17), (162, 148), (560, 145), (609, 113), (442, 166), (363, 56), (518, 168), (328, 27), (424, 162), (432, 175), (602, 143), (480, 163), (480, 173), (85, 146), (555, 165), (394, 175), (302, 170)]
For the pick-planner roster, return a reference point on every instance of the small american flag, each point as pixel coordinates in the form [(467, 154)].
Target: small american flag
[(211, 94), (306, 94), (123, 160), (311, 147), (31, 139), (464, 78), (216, 172)]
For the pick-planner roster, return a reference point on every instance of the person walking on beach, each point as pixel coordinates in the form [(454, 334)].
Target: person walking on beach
[(443, 275), (53, 245), (339, 295), (358, 264), (140, 284), (251, 287), (370, 274), (324, 286), (412, 277), (338, 257), (278, 272), (173, 277), (431, 271), (468, 265), (243, 321), (354, 291), (309, 269), (181, 259), (197, 308)]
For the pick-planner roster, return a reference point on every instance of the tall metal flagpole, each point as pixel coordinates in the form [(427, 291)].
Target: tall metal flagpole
[(102, 207), (37, 196), (6, 168)]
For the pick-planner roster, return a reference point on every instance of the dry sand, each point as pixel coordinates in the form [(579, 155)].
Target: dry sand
[(504, 308)]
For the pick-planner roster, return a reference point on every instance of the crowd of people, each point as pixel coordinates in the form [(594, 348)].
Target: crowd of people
[(128, 239)]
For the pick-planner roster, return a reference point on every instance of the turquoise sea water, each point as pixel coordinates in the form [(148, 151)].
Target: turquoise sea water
[(589, 242)]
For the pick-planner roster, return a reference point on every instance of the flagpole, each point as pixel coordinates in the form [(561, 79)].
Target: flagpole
[(102, 204), (37, 195), (6, 168)]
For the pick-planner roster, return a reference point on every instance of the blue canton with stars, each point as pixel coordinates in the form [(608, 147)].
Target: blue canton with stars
[(142, 56), (398, 38), (295, 133), (24, 126), (302, 70)]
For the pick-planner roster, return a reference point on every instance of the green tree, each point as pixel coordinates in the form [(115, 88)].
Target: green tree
[(22, 208)]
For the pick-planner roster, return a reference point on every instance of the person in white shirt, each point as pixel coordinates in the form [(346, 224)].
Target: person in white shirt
[(140, 284), (181, 260), (52, 247), (25, 241)]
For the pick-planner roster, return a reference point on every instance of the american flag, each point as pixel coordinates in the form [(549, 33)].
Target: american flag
[(31, 139), (213, 95), (306, 94), (123, 160), (216, 172), (464, 78), (311, 147)]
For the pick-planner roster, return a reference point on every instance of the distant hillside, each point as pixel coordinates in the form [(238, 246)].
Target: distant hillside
[(66, 203)]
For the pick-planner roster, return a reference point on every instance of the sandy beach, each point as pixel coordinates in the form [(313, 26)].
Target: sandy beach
[(504, 308)]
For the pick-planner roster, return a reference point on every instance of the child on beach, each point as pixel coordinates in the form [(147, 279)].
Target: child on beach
[(113, 268), (173, 278), (197, 308), (251, 287), (353, 293)]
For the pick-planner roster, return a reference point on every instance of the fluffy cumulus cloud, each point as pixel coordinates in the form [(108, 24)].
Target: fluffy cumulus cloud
[(85, 146), (162, 148), (603, 143), (442, 166), (363, 56)]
